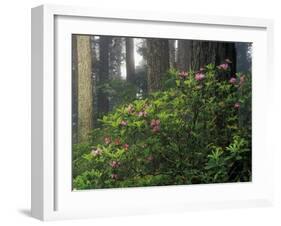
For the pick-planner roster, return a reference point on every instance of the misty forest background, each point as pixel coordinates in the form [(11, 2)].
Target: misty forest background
[(117, 70)]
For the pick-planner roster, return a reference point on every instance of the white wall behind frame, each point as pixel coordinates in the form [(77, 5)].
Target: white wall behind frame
[(161, 198), (15, 116)]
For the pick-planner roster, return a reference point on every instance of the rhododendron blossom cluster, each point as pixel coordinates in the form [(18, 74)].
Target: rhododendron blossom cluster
[(199, 76), (183, 74), (223, 66), (96, 152), (195, 130), (155, 125)]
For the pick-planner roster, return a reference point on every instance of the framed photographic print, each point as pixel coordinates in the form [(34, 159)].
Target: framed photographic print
[(138, 112)]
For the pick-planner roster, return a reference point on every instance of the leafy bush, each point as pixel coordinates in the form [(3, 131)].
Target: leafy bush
[(197, 130)]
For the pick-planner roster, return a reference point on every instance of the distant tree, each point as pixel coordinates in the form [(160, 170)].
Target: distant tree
[(157, 62), (83, 91), (103, 77), (130, 60), (115, 57), (95, 73), (142, 69), (243, 56), (184, 54), (142, 49), (172, 53)]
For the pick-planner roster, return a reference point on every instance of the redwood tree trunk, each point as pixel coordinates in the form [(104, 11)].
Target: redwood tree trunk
[(172, 53), (184, 55), (130, 60), (157, 61), (115, 57), (74, 91), (196, 54), (84, 87), (102, 99), (203, 52)]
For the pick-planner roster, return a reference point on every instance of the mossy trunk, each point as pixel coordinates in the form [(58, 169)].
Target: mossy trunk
[(157, 61), (84, 88)]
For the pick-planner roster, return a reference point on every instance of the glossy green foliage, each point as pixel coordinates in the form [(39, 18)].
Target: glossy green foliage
[(196, 130)]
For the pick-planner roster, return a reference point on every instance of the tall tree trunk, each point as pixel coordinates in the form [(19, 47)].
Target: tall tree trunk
[(184, 55), (203, 53), (84, 87), (157, 61), (172, 53), (102, 99), (227, 50), (195, 54), (130, 60), (243, 62), (74, 91), (206, 52), (115, 57), (95, 72)]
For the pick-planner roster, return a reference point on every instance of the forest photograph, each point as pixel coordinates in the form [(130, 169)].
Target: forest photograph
[(159, 112)]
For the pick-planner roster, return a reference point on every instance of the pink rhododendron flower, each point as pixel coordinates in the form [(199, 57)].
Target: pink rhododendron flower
[(201, 69), (242, 80), (237, 105), (114, 176), (232, 80), (228, 61), (130, 108), (142, 113), (155, 125), (123, 123), (223, 66), (126, 147), (96, 152), (114, 164), (154, 122), (107, 140), (183, 74), (117, 141), (199, 76)]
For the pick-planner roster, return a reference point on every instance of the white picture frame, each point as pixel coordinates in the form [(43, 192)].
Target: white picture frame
[(52, 197)]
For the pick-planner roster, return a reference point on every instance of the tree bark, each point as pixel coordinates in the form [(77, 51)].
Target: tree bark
[(74, 99), (115, 57), (130, 60), (102, 99), (243, 62), (172, 53), (193, 54), (206, 52), (84, 87), (157, 61), (184, 55)]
